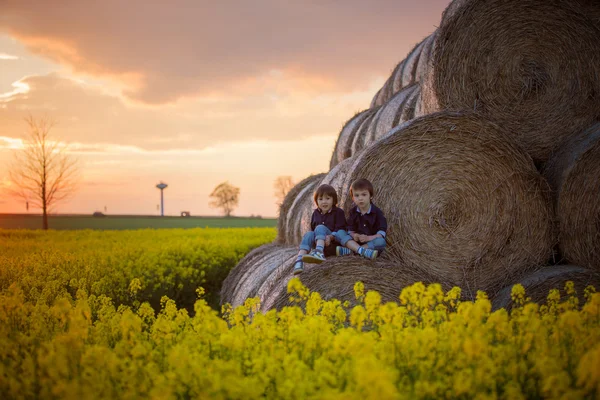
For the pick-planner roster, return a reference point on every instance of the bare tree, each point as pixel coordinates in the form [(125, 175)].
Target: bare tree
[(42, 173), (282, 185), (226, 197)]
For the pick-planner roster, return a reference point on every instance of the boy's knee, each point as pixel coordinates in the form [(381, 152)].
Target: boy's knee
[(377, 244), (321, 230), (309, 236), (343, 237)]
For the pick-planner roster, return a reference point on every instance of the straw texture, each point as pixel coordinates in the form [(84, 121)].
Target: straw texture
[(249, 274), (538, 284), (531, 65), (343, 145), (462, 201), (574, 175), (335, 279)]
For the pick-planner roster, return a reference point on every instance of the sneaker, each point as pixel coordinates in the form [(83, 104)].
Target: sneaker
[(370, 254), (342, 251), (298, 267), (314, 257)]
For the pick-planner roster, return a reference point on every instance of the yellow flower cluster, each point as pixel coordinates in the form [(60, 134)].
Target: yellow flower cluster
[(429, 345), (130, 267)]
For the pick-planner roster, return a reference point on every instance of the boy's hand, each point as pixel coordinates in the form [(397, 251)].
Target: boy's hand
[(363, 238), (355, 236), (327, 240)]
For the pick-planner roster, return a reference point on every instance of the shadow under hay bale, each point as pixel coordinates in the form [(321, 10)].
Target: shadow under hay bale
[(462, 200), (249, 274), (574, 175), (538, 284), (299, 213), (288, 201), (335, 279), (489, 56)]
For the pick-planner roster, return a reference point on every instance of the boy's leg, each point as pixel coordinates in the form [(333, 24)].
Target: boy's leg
[(321, 233), (377, 244), (307, 242), (317, 256), (347, 244)]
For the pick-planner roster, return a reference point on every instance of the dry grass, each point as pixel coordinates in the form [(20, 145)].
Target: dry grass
[(462, 200), (574, 175), (531, 65), (538, 284)]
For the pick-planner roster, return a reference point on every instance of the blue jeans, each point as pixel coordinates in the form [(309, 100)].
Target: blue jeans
[(309, 240), (376, 244)]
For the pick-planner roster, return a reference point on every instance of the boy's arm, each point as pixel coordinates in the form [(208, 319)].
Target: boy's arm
[(352, 222), (340, 220), (313, 223), (380, 226)]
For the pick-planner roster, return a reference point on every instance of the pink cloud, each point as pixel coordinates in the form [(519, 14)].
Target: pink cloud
[(168, 50)]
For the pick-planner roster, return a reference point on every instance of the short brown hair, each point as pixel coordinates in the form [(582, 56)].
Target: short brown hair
[(361, 184), (328, 190)]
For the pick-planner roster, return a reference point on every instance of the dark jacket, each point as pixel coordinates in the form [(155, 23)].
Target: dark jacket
[(335, 219), (370, 223)]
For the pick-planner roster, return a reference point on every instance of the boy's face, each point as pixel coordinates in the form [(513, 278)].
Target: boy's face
[(325, 202), (362, 198)]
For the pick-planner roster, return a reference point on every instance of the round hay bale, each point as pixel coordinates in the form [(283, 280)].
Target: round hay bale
[(361, 126), (338, 178), (290, 198), (369, 135), (574, 175), (360, 136), (255, 268), (375, 99), (410, 64), (298, 216), (408, 109), (462, 200), (335, 279), (389, 89), (397, 80), (530, 65), (424, 62), (342, 148), (391, 113), (244, 267), (380, 95), (539, 283)]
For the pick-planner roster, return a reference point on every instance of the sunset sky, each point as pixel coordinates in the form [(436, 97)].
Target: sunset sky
[(194, 93)]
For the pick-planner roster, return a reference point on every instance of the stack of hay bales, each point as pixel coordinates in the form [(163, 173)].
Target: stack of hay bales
[(484, 149)]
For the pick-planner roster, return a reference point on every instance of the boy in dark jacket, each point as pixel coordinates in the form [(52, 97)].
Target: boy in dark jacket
[(367, 225)]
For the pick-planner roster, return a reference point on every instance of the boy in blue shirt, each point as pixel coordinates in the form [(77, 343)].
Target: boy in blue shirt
[(367, 225), (326, 223)]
